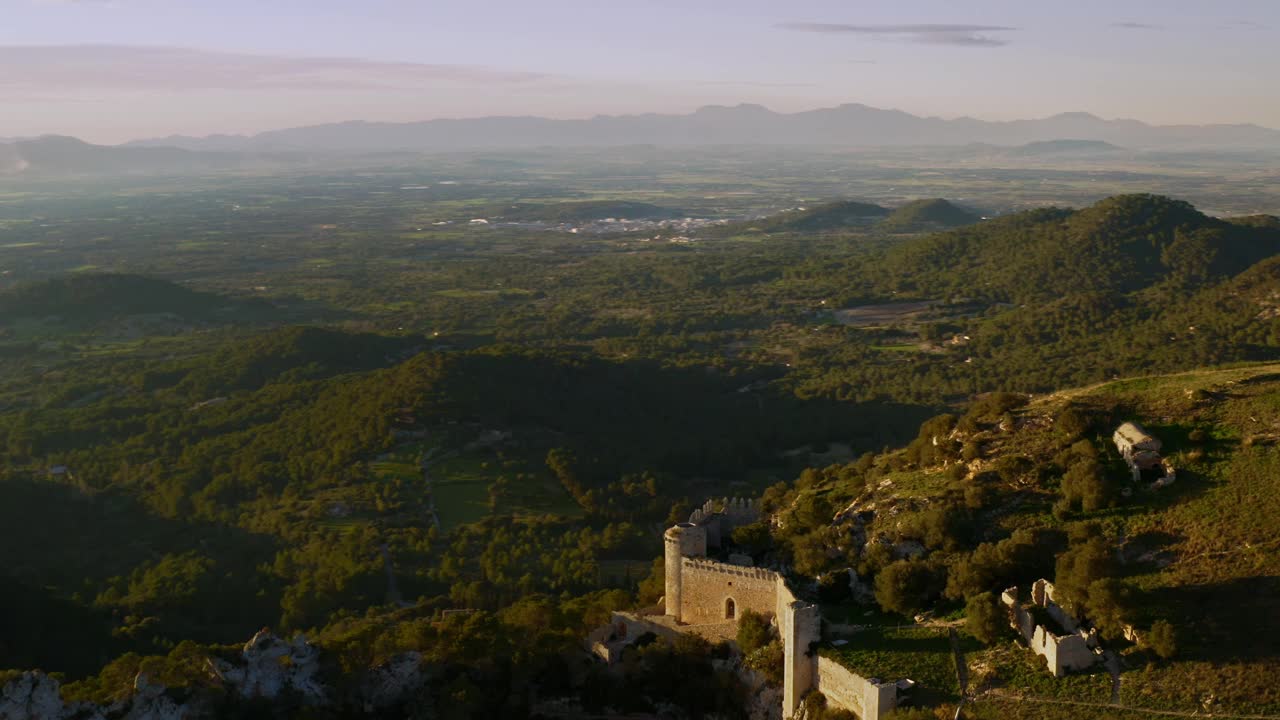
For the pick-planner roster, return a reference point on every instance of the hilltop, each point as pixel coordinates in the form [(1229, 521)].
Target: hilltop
[(1059, 148)]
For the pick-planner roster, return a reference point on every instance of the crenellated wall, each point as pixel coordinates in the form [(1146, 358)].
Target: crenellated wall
[(720, 517), (706, 585)]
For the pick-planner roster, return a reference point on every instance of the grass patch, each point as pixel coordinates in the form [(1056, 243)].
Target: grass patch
[(922, 654)]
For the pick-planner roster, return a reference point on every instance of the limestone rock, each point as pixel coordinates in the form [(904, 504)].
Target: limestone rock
[(31, 696)]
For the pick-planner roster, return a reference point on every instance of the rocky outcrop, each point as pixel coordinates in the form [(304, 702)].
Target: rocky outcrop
[(272, 666), (150, 702), (36, 696)]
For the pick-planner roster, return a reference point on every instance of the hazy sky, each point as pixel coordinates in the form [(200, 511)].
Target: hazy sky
[(112, 70)]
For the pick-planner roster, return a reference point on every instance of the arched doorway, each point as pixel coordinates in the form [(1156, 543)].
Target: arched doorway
[(730, 609)]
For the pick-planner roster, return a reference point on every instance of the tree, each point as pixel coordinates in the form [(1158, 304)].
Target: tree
[(753, 631), (753, 538), (1110, 601), (1078, 568), (1071, 423), (908, 586), (1162, 639), (655, 585), (985, 619)]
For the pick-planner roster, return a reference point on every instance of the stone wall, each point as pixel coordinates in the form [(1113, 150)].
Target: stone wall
[(850, 691), (706, 587)]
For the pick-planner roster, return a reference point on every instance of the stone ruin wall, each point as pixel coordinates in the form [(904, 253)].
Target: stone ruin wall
[(850, 691), (705, 585), (1073, 651)]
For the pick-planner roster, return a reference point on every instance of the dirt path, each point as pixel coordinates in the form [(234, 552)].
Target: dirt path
[(393, 588), (1112, 662), (1111, 706)]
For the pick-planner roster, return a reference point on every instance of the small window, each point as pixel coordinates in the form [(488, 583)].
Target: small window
[(730, 609)]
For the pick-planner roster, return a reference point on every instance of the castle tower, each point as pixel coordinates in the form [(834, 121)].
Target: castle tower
[(680, 541), (800, 625)]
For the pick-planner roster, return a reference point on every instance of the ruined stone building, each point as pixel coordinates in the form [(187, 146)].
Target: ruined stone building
[(1141, 452), (1056, 636)]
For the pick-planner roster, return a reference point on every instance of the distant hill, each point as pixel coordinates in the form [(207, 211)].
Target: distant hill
[(1064, 147), (55, 155), (585, 211), (93, 297), (1122, 244), (924, 215), (1258, 221), (836, 215), (846, 125)]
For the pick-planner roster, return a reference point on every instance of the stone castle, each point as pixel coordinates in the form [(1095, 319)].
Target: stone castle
[(707, 597)]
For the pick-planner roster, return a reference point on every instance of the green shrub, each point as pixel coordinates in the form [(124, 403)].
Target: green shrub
[(753, 631), (985, 619), (1162, 639), (909, 586)]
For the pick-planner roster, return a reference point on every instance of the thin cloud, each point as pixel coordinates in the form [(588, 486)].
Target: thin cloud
[(1136, 26), (924, 33), (79, 68), (758, 83)]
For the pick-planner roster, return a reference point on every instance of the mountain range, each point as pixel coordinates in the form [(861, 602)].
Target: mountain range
[(852, 125)]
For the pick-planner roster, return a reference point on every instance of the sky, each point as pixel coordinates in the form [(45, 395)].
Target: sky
[(114, 70)]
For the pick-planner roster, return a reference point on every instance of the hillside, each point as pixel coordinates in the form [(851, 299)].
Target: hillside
[(88, 297), (927, 215), (987, 500), (1122, 244)]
